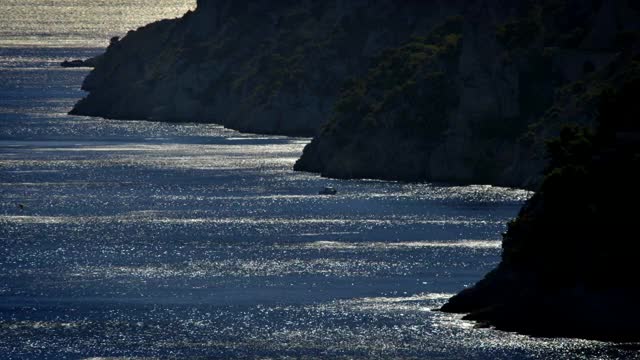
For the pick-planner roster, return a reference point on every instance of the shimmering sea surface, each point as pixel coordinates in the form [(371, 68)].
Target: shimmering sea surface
[(140, 240), (79, 23)]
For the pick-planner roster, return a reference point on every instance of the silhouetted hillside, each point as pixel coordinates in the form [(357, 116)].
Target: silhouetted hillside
[(569, 260), (480, 113), (460, 91), (257, 66)]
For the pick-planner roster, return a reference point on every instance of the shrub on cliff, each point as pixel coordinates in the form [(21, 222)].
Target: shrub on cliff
[(406, 88)]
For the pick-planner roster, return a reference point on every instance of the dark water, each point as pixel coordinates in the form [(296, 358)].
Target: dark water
[(149, 240)]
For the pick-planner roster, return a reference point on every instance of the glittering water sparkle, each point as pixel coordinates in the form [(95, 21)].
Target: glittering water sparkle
[(146, 240)]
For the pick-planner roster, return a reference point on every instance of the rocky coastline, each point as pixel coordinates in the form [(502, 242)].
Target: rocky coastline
[(466, 91), (254, 66), (568, 265), (444, 91), (481, 113), (79, 63)]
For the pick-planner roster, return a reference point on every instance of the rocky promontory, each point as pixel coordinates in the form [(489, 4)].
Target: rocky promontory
[(475, 103), (79, 63), (569, 259), (463, 91), (258, 66)]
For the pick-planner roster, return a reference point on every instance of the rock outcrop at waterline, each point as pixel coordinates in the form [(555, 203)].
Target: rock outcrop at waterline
[(569, 263), (78, 63), (475, 104), (259, 66)]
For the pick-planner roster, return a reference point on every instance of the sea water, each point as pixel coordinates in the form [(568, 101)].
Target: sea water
[(133, 239)]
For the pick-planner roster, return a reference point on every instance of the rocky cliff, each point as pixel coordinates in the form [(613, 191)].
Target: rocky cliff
[(462, 91), (258, 66), (477, 106), (569, 262)]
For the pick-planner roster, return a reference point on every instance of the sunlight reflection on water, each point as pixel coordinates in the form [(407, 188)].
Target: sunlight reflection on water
[(71, 23), (140, 240)]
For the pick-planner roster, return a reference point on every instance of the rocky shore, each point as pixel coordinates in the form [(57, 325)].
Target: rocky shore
[(461, 91), (255, 66), (482, 99), (569, 261), (78, 63)]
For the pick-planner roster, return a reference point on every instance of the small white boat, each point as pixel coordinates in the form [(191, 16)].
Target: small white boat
[(328, 190)]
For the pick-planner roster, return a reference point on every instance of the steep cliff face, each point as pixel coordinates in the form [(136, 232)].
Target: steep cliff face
[(496, 92), (385, 123), (462, 91), (257, 66), (569, 267)]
